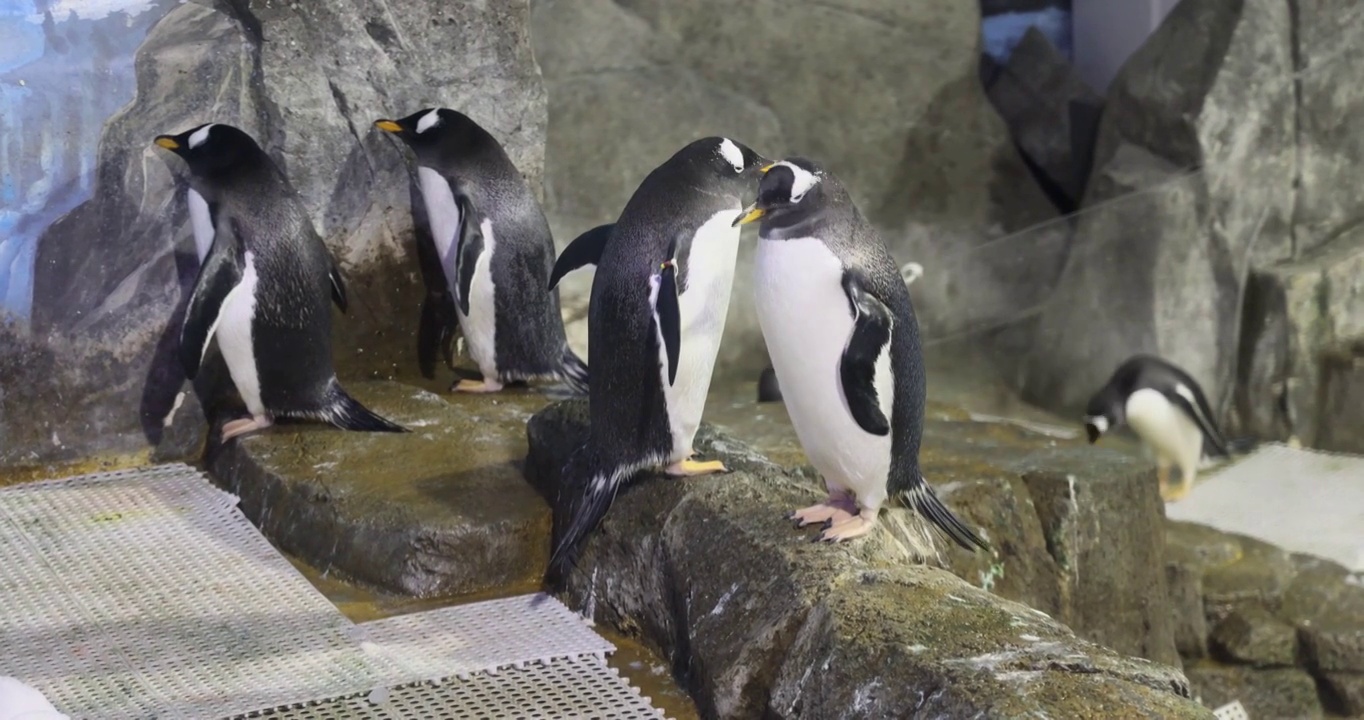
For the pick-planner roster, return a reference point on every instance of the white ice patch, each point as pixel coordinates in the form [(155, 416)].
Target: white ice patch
[(732, 154), (200, 136), (428, 121)]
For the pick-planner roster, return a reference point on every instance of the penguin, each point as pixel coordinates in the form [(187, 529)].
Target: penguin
[(659, 298), (495, 248), (840, 329), (1168, 411), (263, 289)]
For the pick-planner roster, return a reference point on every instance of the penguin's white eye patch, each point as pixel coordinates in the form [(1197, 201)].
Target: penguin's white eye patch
[(200, 136), (428, 121), (1099, 422), (801, 182), (732, 154)]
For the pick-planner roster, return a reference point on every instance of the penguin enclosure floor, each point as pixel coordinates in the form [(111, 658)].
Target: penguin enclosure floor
[(216, 623)]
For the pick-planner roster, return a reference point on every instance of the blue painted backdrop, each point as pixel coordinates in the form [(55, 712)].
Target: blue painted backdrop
[(65, 67), (1001, 31)]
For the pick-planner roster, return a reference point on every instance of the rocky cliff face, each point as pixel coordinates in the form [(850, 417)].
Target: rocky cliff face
[(307, 80)]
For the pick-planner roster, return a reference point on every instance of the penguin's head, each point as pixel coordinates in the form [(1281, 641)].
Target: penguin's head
[(212, 148), (788, 191), (1104, 412), (724, 166), (432, 132)]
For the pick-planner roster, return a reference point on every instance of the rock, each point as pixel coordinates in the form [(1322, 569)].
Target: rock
[(1301, 319), (1283, 694), (1184, 586), (440, 510), (1034, 93), (709, 572), (1334, 636), (1347, 690), (1253, 636), (306, 80), (1258, 576), (1201, 122)]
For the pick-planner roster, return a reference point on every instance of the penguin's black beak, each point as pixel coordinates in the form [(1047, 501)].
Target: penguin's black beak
[(167, 142), (750, 213), (389, 126), (1093, 432)]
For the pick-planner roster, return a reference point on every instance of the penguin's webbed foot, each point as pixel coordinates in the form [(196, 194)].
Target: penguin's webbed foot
[(1176, 491), (837, 508), (855, 526), (245, 425), (481, 386), (689, 467)]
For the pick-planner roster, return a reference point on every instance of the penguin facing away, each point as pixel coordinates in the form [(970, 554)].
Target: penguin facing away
[(841, 332), (495, 248), (659, 299), (263, 288), (1167, 409)]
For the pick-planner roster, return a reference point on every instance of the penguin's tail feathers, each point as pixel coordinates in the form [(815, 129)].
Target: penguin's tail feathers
[(347, 413), (586, 491), (573, 371), (925, 502)]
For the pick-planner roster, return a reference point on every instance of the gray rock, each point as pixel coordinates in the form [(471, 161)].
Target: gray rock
[(1202, 121), (1282, 694), (307, 80), (441, 510), (1342, 414), (1347, 690), (757, 620), (1253, 636), (1185, 588), (1034, 92)]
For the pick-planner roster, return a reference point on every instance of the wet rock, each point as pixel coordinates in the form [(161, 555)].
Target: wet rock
[(441, 510), (1286, 693), (1253, 636), (1185, 588), (307, 80), (1342, 415), (1334, 637), (1034, 92), (1257, 578), (1347, 692), (709, 572)]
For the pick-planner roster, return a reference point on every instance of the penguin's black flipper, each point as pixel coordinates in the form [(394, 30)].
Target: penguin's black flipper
[(470, 247), (668, 316), (586, 249), (347, 413), (220, 272), (338, 286), (1192, 404), (857, 368)]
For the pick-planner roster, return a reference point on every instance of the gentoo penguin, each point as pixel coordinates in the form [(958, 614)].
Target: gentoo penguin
[(840, 329), (1167, 410), (496, 250), (263, 288), (657, 311)]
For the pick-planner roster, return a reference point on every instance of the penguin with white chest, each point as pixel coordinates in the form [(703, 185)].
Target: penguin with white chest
[(495, 248), (1167, 409), (840, 328), (264, 288), (659, 299)]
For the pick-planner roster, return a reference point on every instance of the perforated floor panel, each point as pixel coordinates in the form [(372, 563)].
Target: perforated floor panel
[(146, 593)]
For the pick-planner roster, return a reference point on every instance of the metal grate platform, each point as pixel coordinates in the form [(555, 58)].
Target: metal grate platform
[(147, 593)]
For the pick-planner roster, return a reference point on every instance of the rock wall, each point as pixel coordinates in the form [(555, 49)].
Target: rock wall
[(96, 373)]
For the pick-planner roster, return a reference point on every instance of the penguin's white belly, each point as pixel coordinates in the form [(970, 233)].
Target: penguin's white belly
[(233, 330), (1166, 430), (442, 212), (806, 322), (480, 325), (703, 307), (201, 222)]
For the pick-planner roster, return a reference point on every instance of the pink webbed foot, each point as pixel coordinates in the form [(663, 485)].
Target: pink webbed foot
[(855, 526), (245, 425), (689, 468), (479, 386), (835, 509)]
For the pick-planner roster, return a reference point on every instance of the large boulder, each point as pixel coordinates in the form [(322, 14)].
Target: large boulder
[(307, 80)]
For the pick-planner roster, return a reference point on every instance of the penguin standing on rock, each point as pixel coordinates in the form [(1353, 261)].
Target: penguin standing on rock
[(659, 299), (495, 248), (840, 329), (263, 288), (1167, 410)]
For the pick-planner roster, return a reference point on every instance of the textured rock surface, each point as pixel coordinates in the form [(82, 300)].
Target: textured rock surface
[(1254, 636), (1287, 693), (307, 79), (441, 510), (1342, 426), (749, 611)]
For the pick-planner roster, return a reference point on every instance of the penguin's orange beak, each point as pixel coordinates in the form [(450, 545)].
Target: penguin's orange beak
[(750, 213), (389, 126), (167, 142)]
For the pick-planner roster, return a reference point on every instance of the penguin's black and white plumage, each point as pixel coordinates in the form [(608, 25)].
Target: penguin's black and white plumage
[(264, 288), (495, 248), (841, 332), (659, 299), (1167, 409)]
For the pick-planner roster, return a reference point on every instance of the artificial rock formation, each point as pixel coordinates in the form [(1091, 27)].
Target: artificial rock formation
[(307, 80)]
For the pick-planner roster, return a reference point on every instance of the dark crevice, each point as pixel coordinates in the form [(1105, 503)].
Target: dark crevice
[(1295, 48)]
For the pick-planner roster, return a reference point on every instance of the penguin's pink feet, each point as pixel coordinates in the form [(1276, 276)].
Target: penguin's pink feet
[(481, 386), (835, 509), (855, 526), (689, 467), (245, 425)]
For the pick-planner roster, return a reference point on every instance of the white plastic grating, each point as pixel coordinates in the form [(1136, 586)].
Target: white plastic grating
[(580, 689), (1231, 711), (482, 637), (145, 593)]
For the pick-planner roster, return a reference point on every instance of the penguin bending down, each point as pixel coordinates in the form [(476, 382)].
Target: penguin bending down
[(659, 299), (841, 332), (495, 248), (263, 288), (1167, 410)]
